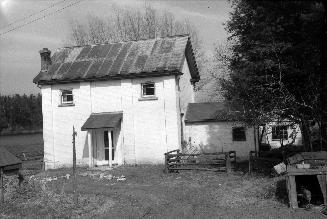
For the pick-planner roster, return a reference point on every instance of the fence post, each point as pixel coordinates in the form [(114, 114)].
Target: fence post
[(74, 168), (2, 191), (228, 163), (250, 164), (166, 163)]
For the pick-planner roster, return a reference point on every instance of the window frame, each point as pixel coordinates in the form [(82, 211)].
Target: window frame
[(150, 96), (236, 136), (279, 136), (66, 92), (142, 89)]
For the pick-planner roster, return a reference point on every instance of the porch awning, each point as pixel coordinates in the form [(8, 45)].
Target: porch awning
[(102, 120)]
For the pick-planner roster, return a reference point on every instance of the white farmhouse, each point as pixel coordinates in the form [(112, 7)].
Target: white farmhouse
[(126, 100)]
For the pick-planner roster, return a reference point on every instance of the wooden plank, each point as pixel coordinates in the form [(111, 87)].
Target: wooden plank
[(292, 192), (2, 191), (184, 164), (206, 169), (322, 182)]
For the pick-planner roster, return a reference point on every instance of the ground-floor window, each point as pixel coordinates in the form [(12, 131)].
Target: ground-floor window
[(279, 132), (239, 134)]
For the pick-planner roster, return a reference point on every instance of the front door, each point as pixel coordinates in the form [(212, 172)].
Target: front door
[(104, 142)]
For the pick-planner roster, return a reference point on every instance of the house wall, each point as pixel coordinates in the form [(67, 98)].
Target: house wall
[(148, 130), (217, 137), (267, 137), (185, 96)]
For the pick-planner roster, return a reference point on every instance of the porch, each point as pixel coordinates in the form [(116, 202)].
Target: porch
[(104, 138)]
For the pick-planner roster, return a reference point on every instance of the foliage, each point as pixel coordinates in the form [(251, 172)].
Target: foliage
[(276, 60), (21, 111)]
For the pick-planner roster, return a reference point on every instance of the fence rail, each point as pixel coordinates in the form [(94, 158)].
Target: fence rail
[(220, 161)]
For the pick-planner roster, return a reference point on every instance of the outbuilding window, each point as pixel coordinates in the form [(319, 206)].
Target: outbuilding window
[(279, 132), (239, 134), (148, 89), (67, 97)]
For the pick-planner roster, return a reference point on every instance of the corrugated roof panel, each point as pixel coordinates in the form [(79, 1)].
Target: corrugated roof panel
[(53, 68), (114, 51), (77, 70), (92, 72), (60, 55), (62, 71), (139, 63), (115, 69), (99, 51), (167, 46), (83, 54), (105, 68), (73, 54), (144, 51), (130, 59)]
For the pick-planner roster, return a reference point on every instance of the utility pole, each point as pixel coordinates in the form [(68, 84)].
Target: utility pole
[(74, 168)]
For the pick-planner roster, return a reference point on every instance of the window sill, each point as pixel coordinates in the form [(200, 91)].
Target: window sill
[(66, 104), (148, 98)]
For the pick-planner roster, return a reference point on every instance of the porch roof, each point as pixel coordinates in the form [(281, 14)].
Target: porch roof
[(102, 120)]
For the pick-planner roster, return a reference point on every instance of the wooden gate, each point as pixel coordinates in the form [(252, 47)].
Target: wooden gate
[(220, 161)]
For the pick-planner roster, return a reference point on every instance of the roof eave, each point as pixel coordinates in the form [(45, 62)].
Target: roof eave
[(113, 77)]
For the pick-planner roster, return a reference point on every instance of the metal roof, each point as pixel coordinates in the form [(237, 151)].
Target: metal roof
[(102, 120), (7, 158), (211, 112), (151, 57)]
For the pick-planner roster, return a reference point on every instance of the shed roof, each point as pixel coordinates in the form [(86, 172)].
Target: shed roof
[(102, 120), (151, 57), (7, 158), (211, 112)]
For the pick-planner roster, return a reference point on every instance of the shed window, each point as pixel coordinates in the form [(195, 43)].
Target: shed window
[(279, 132), (239, 134), (67, 97), (148, 89)]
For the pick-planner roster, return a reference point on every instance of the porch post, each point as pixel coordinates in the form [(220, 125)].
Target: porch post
[(89, 141), (110, 148)]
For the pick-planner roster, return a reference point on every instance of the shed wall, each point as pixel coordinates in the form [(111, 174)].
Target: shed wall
[(217, 137)]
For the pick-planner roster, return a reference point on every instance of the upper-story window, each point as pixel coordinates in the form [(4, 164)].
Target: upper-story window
[(279, 132), (67, 97), (148, 89)]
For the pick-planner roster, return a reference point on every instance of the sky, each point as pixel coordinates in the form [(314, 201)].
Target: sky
[(19, 56)]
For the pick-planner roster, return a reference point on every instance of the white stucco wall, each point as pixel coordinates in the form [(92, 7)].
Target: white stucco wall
[(148, 130), (217, 137)]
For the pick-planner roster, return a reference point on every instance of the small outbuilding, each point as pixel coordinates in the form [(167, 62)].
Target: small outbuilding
[(213, 127)]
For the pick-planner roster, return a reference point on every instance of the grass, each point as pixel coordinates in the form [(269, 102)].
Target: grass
[(146, 192)]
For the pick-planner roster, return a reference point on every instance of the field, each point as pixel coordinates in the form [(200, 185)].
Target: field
[(146, 192), (141, 192), (27, 147)]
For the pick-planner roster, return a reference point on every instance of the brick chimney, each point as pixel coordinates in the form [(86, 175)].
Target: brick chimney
[(45, 54)]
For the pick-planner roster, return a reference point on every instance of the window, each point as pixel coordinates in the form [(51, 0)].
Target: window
[(148, 89), (67, 97), (279, 132), (106, 146), (239, 134)]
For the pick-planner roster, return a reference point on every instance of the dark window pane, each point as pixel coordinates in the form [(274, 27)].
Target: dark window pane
[(148, 89), (239, 134), (105, 139), (106, 154)]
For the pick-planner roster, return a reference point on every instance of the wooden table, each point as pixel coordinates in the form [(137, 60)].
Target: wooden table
[(291, 172)]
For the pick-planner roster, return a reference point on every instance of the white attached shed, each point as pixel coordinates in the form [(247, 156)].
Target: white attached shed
[(209, 127)]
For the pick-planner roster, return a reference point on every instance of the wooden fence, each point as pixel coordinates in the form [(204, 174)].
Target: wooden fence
[(221, 161), (261, 164)]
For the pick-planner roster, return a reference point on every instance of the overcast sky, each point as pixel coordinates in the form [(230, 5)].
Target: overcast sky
[(19, 57)]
